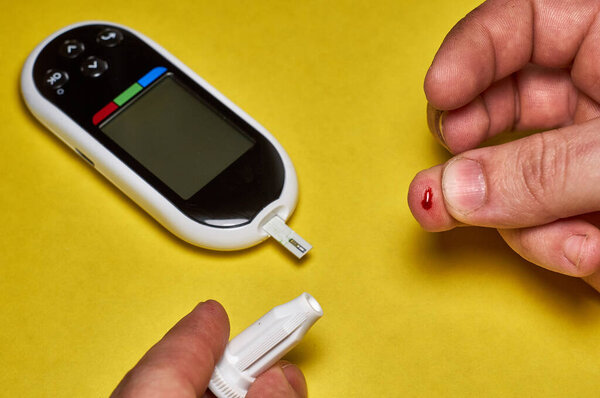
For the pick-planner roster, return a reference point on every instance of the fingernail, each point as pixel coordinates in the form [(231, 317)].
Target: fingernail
[(294, 377), (435, 121), (463, 184), (284, 364), (574, 248)]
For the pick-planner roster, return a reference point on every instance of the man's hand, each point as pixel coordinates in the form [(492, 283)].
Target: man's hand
[(520, 65), (180, 365)]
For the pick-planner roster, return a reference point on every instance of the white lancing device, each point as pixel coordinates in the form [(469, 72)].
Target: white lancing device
[(262, 344)]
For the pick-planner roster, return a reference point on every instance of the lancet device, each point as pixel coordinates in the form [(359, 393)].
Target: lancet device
[(262, 344), (182, 151)]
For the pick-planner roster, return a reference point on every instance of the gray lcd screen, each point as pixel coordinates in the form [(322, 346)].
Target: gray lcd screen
[(178, 137)]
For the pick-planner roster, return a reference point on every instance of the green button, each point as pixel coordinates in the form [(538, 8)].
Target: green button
[(127, 94)]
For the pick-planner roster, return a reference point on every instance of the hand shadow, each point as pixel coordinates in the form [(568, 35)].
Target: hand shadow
[(465, 250)]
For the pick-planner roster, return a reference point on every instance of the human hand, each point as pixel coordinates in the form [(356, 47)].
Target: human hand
[(520, 65), (180, 365)]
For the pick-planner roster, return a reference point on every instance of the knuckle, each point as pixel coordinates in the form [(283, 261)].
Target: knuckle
[(543, 161)]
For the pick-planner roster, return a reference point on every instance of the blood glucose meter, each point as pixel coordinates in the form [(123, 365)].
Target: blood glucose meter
[(186, 154)]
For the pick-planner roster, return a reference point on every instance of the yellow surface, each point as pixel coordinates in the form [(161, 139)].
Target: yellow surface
[(88, 281)]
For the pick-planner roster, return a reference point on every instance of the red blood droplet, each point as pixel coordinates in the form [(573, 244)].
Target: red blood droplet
[(427, 201)]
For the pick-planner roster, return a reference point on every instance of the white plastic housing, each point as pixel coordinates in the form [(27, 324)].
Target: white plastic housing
[(139, 190), (262, 344)]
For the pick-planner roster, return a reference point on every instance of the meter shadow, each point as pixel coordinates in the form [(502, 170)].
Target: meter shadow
[(54, 141), (469, 250)]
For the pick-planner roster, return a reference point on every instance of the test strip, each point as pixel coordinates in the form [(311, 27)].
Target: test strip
[(283, 234)]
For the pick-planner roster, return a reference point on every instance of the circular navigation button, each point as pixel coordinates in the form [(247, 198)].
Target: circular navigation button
[(93, 67), (55, 78), (71, 48), (109, 37)]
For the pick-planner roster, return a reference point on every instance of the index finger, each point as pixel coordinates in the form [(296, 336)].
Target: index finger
[(500, 37), (181, 363)]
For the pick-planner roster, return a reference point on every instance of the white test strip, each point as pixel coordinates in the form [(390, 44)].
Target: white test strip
[(283, 234)]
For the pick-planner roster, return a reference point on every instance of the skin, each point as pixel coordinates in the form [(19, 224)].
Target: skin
[(520, 65), (181, 363), (510, 65)]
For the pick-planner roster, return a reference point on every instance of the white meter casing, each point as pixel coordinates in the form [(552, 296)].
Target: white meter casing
[(180, 149)]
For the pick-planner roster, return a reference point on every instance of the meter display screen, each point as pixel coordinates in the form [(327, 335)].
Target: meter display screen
[(177, 136)]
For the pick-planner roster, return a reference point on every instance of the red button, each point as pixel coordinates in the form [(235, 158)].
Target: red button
[(104, 112)]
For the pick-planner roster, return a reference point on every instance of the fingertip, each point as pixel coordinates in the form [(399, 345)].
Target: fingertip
[(426, 202), (295, 377), (435, 85), (435, 121), (210, 319), (281, 381), (466, 127), (449, 82), (435, 96), (183, 360), (215, 310)]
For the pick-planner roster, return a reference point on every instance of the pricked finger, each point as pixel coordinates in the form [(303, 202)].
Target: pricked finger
[(426, 201)]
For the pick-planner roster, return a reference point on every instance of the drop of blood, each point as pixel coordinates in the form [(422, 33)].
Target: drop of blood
[(427, 201)]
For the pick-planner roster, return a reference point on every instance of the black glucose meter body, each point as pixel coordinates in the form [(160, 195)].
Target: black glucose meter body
[(186, 154)]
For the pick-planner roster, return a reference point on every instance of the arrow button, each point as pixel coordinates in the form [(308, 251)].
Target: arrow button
[(93, 67), (71, 48), (109, 37)]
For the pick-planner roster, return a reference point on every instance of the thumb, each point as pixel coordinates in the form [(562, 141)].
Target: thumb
[(181, 363), (527, 182), (284, 380)]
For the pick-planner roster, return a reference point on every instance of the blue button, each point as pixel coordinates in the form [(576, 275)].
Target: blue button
[(152, 76)]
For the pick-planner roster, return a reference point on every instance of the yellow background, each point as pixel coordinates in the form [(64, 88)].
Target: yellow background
[(88, 281)]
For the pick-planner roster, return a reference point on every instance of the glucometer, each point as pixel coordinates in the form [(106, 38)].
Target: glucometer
[(182, 151)]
